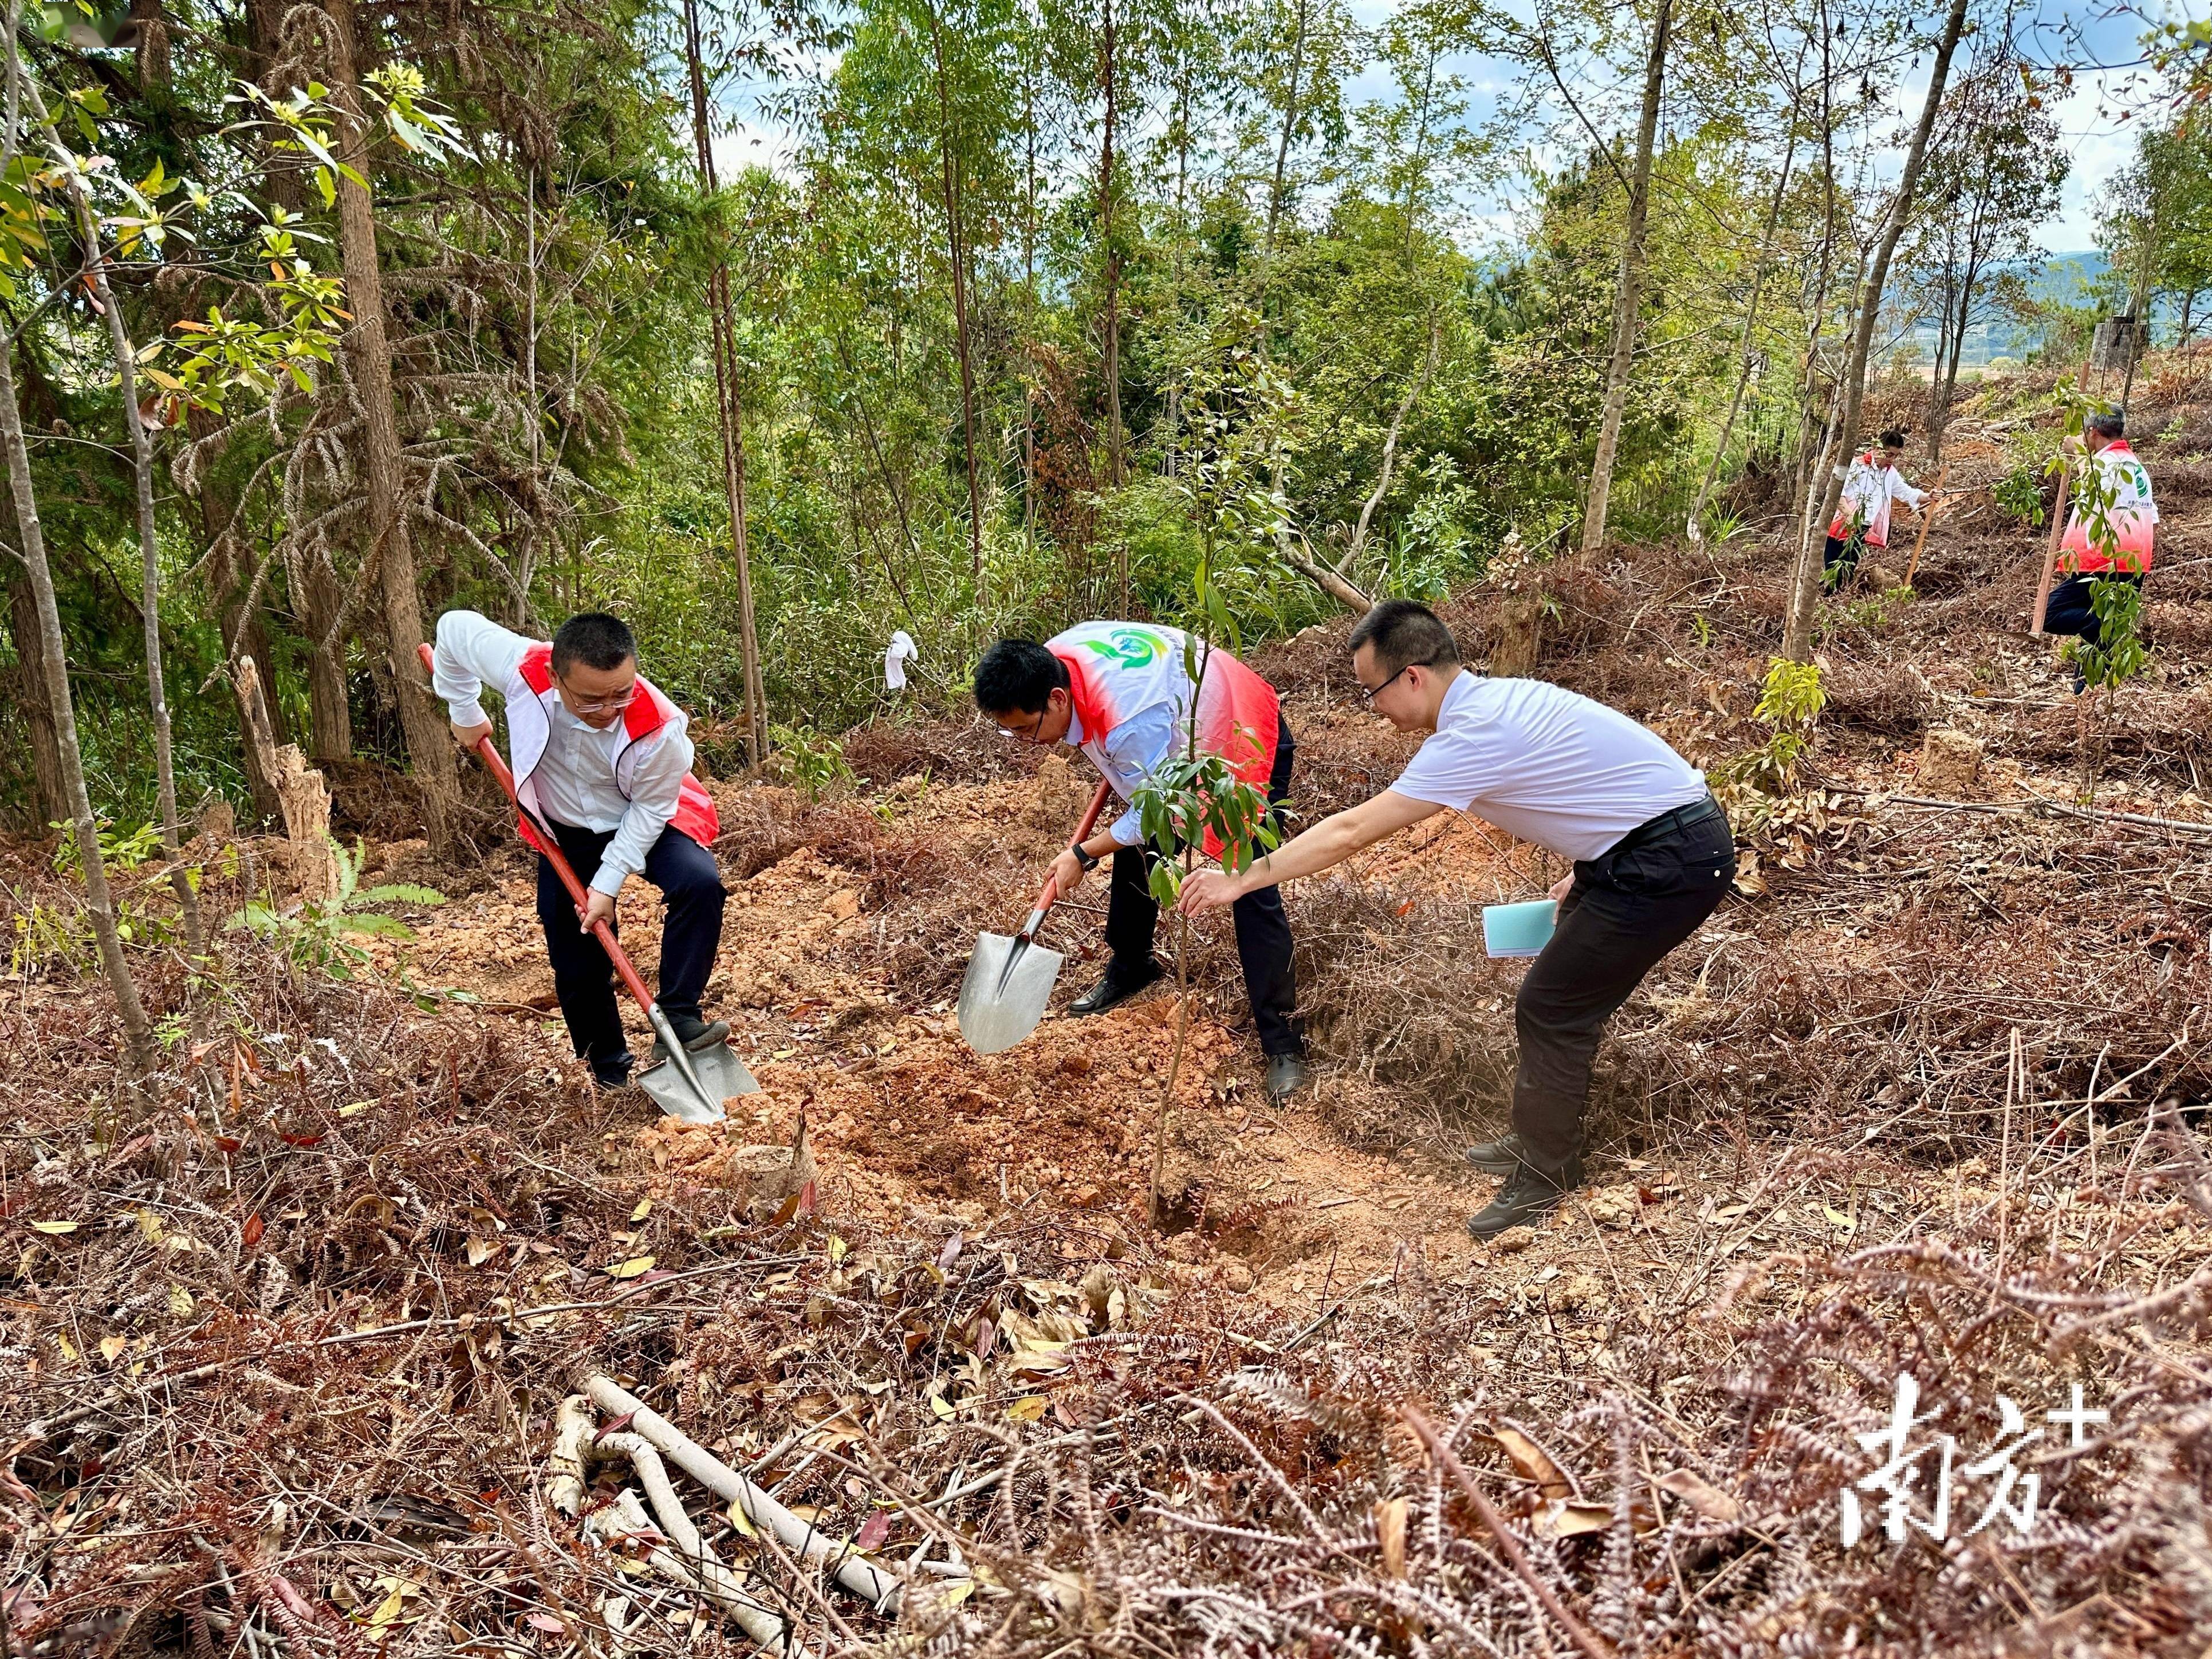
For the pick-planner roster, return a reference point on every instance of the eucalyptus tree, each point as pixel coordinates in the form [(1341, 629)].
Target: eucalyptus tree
[(1797, 632), (1994, 176)]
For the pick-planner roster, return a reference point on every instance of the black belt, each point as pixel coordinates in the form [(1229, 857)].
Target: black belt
[(1666, 823)]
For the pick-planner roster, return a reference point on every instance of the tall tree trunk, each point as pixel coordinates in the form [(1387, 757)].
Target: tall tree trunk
[(729, 406), (50, 787), (318, 595), (1290, 120), (429, 749), (137, 1030), (957, 248), (1630, 297), (1948, 370), (1029, 319), (149, 549), (1797, 634), (1110, 74)]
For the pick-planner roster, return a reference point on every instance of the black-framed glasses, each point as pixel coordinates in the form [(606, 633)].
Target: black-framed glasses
[(1367, 696)]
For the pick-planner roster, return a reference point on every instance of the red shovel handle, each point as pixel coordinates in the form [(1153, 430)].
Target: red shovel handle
[(489, 753), (1082, 833)]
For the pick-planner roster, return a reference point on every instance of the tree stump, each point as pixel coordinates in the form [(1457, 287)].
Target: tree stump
[(301, 794), (1950, 762)]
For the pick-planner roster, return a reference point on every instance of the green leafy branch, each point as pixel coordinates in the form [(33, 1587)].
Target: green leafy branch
[(319, 933)]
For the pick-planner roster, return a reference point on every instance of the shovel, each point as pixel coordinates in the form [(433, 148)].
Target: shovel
[(689, 1086), (1009, 979)]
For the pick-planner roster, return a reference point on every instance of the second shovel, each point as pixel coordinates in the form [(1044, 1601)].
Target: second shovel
[(1009, 980)]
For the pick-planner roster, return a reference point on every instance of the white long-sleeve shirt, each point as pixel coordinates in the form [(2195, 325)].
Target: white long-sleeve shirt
[(1870, 488), (575, 779), (1131, 751)]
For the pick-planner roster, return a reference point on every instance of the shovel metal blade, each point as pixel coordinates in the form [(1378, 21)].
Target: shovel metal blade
[(720, 1074), (1009, 982)]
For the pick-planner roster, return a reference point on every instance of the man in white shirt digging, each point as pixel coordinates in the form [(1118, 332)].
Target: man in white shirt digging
[(1651, 850), (600, 756)]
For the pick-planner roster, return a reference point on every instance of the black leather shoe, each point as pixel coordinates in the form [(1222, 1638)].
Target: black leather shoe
[(694, 1033), (1286, 1075), (1113, 990), (609, 1076), (1526, 1197)]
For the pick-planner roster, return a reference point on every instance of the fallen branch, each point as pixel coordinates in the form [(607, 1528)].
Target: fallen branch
[(863, 1578), (625, 1519), (2030, 808), (713, 1579)]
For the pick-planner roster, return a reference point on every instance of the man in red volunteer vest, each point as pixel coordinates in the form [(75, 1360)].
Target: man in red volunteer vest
[(601, 756), (2112, 546), (1121, 693)]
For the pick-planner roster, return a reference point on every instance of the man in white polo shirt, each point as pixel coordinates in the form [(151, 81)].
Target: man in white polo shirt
[(1651, 850)]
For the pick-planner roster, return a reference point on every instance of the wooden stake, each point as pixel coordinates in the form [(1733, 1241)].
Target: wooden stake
[(1927, 518)]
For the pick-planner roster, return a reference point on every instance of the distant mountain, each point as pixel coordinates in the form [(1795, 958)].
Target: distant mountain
[(2066, 279)]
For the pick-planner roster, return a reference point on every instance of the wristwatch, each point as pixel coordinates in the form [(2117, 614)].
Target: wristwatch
[(1084, 857)]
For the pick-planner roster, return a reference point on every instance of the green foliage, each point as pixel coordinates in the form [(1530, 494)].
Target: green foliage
[(1874, 611), (2120, 654), (318, 934), (1790, 703), (1198, 800), (814, 763), (2019, 493), (120, 850)]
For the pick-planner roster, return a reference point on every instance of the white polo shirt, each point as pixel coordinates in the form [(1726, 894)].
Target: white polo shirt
[(1548, 765)]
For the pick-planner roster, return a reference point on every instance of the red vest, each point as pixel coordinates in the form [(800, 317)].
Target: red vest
[(1117, 670), (530, 705)]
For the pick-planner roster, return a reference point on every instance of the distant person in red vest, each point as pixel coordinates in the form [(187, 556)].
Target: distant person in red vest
[(600, 756), (2124, 555), (1870, 486)]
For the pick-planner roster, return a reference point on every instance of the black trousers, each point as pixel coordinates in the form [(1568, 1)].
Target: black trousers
[(584, 980), (1843, 553), (1263, 927), (1628, 908), (2069, 610)]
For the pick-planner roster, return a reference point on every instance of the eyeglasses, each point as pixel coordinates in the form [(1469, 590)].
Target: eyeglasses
[(613, 705), (1367, 694)]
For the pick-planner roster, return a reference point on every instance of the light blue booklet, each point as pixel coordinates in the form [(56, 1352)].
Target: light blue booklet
[(1518, 930)]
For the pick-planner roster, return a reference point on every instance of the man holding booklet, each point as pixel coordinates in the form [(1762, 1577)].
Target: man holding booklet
[(1651, 850)]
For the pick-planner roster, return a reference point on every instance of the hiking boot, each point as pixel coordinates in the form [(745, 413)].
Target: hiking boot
[(1286, 1075), (694, 1033), (1117, 988), (1525, 1199)]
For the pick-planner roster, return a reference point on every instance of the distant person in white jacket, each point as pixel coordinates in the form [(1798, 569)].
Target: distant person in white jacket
[(1871, 485), (601, 757)]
